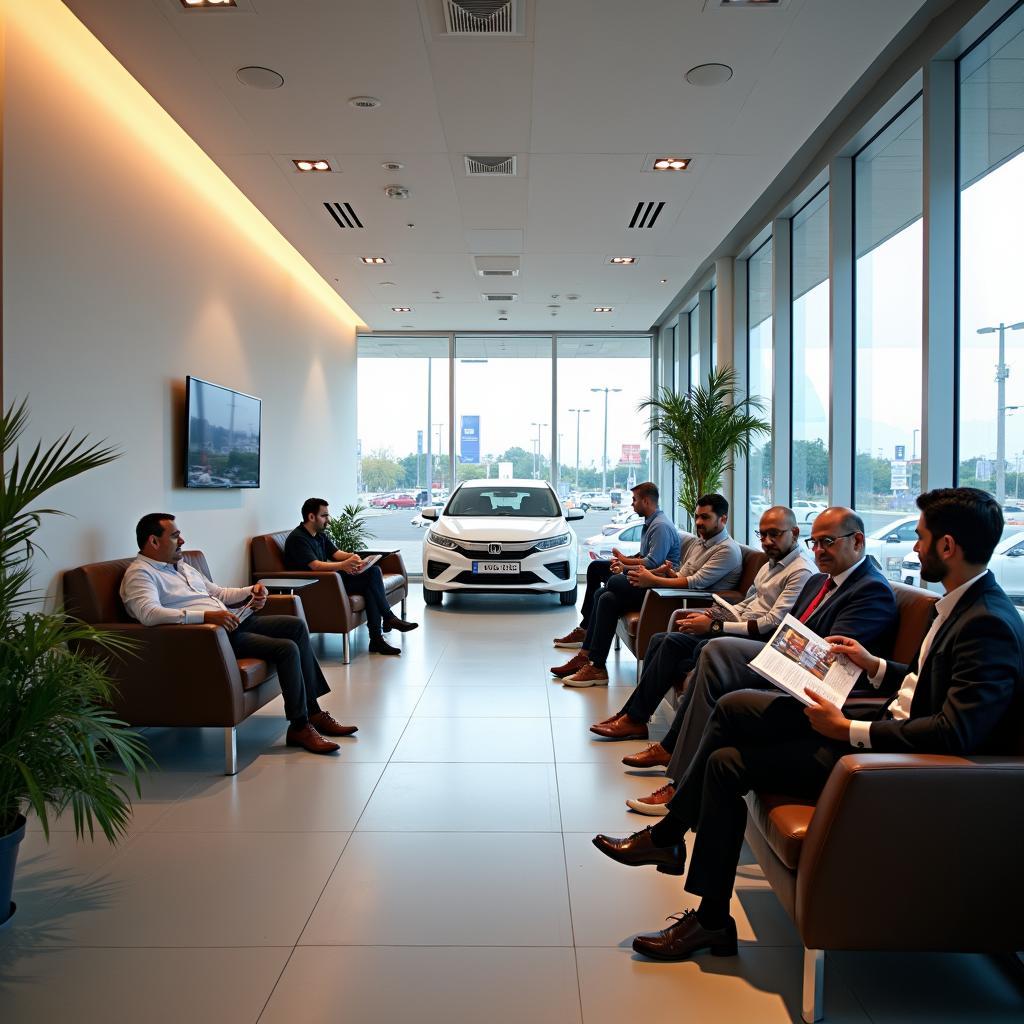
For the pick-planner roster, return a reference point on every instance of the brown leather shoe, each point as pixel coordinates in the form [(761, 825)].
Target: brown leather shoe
[(574, 664), (654, 756), (309, 739), (588, 675), (572, 639), (639, 849), (656, 804), (610, 719), (679, 941), (400, 624), (622, 728), (327, 726)]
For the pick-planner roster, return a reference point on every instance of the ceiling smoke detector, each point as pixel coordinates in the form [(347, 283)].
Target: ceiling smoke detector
[(364, 102), (396, 192), (259, 78), (709, 74), (392, 165)]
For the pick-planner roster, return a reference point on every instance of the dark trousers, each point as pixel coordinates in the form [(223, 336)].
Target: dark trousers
[(723, 666), (753, 740), (597, 572), (669, 657), (617, 597), (283, 641), (369, 585)]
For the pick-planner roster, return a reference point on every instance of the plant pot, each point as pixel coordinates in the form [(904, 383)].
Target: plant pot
[(8, 858)]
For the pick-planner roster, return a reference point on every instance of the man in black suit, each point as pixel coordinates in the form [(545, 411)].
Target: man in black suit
[(849, 596), (962, 694)]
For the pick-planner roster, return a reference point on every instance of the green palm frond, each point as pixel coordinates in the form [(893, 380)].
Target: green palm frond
[(59, 745), (702, 431), (348, 529)]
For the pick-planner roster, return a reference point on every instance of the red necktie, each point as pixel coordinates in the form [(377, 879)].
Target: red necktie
[(826, 587)]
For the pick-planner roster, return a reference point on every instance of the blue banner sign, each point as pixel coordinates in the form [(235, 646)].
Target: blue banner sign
[(469, 440)]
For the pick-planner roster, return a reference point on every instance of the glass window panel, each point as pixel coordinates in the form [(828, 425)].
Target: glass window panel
[(759, 380), (695, 374), (887, 353), (991, 387), (395, 451), (503, 407), (714, 331), (811, 351), (602, 436)]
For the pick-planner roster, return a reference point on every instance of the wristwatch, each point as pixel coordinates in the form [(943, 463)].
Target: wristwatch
[(717, 627)]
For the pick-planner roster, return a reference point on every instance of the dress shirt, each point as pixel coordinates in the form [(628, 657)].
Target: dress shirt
[(899, 709), (839, 581), (713, 564), (776, 587), (659, 541), (159, 593)]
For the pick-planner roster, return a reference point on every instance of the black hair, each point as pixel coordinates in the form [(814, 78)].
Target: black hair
[(150, 526), (312, 506), (717, 502), (970, 516)]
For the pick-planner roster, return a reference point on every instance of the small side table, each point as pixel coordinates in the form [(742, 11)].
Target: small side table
[(288, 585)]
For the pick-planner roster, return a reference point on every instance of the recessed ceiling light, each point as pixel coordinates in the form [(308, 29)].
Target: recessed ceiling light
[(709, 74), (375, 260), (672, 163), (386, 284), (192, 5), (396, 192), (604, 309), (364, 102), (664, 280), (401, 309), (623, 261), (312, 165), (392, 165), (259, 78)]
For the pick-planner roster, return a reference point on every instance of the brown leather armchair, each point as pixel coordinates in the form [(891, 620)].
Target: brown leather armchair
[(636, 628), (900, 851), (328, 608), (184, 675)]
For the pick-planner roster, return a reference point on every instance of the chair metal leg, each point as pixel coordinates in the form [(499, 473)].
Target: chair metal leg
[(230, 752), (618, 642), (345, 653), (639, 668), (403, 607), (812, 1008)]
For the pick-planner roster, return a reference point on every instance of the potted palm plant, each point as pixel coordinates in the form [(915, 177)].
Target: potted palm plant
[(701, 431), (348, 529), (59, 746)]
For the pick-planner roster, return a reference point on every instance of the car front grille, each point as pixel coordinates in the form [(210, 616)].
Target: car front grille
[(498, 579)]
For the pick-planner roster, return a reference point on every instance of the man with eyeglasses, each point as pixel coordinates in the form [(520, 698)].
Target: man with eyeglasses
[(671, 655), (849, 596), (961, 694)]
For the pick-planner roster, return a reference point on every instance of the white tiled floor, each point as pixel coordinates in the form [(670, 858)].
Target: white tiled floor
[(439, 869)]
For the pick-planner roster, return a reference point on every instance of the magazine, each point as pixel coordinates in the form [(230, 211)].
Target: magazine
[(242, 612), (367, 562), (723, 610), (796, 658)]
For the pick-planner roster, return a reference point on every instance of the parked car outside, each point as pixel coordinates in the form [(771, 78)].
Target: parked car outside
[(500, 536), (1007, 565), (889, 545), (626, 538), (807, 511), (594, 499), (393, 501), (910, 569), (627, 515), (420, 520)]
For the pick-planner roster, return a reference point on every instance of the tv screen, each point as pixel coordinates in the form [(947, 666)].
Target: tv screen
[(223, 436)]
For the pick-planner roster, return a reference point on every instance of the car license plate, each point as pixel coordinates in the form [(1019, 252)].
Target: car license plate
[(497, 568)]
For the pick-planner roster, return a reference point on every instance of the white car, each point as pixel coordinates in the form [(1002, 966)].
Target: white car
[(890, 544), (594, 499), (626, 538), (500, 536), (1007, 565), (807, 511)]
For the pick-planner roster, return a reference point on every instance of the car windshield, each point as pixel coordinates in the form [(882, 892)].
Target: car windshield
[(504, 501)]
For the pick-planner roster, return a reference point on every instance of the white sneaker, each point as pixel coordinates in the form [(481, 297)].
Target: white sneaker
[(654, 804)]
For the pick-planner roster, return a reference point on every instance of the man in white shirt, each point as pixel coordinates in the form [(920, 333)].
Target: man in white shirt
[(159, 589), (962, 694)]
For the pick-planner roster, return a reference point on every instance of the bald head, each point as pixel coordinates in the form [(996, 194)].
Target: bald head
[(838, 539)]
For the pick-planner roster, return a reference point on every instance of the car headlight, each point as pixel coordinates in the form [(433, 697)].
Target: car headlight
[(555, 542), (441, 540)]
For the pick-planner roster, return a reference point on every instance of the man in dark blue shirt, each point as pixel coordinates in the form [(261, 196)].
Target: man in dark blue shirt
[(308, 547)]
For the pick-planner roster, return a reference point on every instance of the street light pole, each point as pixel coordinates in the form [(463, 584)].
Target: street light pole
[(604, 457), (1002, 372), (578, 411), (536, 450), (439, 428)]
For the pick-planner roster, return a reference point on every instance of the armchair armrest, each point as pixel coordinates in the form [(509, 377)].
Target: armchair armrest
[(905, 831), (178, 675), (655, 613), (392, 563), (283, 604), (326, 606)]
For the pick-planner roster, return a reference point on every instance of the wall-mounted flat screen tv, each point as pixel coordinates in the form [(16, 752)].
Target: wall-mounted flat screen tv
[(222, 436)]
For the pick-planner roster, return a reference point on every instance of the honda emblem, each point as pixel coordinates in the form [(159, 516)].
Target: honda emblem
[(494, 549)]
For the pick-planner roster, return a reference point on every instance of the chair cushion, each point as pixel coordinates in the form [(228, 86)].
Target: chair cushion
[(783, 821), (392, 582), (266, 552), (253, 672), (630, 621), (914, 607)]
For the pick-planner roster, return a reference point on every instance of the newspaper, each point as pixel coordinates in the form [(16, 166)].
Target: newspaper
[(796, 658)]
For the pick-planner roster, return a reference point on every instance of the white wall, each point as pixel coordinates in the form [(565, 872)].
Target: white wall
[(120, 278)]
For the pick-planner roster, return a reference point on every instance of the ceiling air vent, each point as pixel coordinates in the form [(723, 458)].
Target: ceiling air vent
[(503, 297), (501, 165), (483, 17), (497, 266), (343, 214), (646, 214)]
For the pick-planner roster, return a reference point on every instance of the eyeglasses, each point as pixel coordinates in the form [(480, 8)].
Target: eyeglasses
[(825, 542), (771, 534)]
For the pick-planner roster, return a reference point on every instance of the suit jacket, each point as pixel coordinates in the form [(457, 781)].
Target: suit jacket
[(863, 608), (970, 693)]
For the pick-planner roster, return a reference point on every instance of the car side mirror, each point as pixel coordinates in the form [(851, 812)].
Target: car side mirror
[(574, 513), (429, 513), (1015, 553), (893, 538)]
